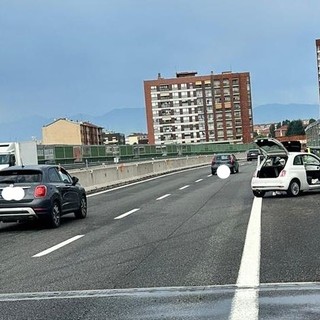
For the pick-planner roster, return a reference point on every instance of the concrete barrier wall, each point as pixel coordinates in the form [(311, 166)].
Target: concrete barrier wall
[(100, 177)]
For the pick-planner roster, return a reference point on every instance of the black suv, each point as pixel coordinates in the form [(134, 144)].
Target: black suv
[(40, 192)]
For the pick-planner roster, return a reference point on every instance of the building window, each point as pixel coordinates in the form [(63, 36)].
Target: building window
[(208, 93), (235, 82), (229, 132), (184, 94), (200, 102), (216, 84)]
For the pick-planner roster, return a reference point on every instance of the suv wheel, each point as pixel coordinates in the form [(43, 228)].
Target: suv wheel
[(81, 213), (55, 215)]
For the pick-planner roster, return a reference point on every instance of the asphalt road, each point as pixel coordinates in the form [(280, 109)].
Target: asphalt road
[(145, 247)]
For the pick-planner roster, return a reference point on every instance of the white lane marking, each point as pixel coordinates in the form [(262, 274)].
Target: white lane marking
[(126, 214), (198, 180), (58, 246), (164, 196), (209, 175), (245, 304), (184, 187)]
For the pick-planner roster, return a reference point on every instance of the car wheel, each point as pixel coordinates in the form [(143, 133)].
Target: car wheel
[(258, 194), (81, 213), (294, 188), (55, 215)]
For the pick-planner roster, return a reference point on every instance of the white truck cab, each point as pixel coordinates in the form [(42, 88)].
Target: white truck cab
[(18, 153)]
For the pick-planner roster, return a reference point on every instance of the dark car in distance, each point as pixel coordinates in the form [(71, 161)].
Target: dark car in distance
[(253, 154), (228, 159), (43, 192)]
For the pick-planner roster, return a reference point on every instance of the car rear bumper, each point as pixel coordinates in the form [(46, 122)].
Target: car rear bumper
[(22, 214), (216, 166), (17, 214)]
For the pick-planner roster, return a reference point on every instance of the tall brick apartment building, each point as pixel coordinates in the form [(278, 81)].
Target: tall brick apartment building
[(198, 109), (318, 61)]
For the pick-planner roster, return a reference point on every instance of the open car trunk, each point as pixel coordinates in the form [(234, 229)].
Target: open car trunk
[(272, 166)]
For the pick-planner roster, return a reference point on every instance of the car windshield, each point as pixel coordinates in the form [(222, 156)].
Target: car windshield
[(19, 176)]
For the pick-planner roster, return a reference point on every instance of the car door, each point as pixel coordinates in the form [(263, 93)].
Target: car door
[(71, 196), (68, 192), (312, 167)]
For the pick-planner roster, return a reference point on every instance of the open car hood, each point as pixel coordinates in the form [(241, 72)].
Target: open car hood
[(271, 146)]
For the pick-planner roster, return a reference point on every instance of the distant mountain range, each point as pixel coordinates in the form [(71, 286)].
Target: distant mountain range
[(130, 120), (126, 120)]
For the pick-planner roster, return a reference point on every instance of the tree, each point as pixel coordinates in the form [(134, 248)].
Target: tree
[(272, 130), (278, 126), (312, 120), (295, 127)]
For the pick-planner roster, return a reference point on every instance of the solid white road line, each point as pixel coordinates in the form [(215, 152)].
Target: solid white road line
[(126, 214), (245, 304), (198, 180), (58, 246), (164, 196), (184, 187)]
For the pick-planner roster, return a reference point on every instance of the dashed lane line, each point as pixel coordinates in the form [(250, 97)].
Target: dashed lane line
[(127, 213), (184, 187), (164, 196), (58, 246)]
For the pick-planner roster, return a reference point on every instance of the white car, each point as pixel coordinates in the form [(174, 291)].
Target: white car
[(284, 170)]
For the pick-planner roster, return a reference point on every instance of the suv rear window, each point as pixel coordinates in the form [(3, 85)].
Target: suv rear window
[(20, 176), (223, 157)]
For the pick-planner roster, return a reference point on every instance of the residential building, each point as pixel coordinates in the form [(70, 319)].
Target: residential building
[(199, 109), (262, 130), (318, 62), (281, 132), (137, 138), (65, 131), (113, 138)]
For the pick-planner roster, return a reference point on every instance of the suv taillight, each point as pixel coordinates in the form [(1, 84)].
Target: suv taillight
[(40, 191)]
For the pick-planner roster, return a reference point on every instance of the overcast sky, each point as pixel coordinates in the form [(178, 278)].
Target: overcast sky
[(62, 57)]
